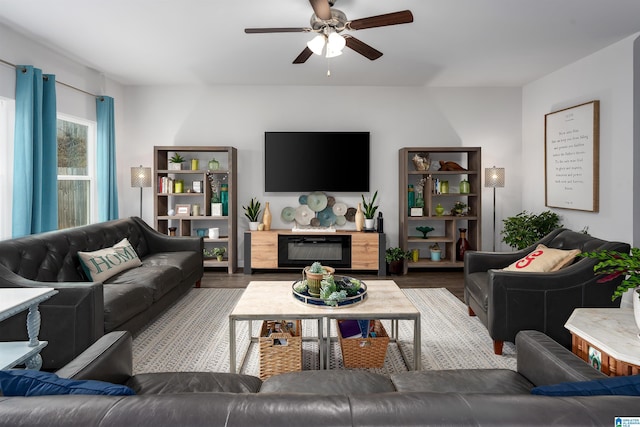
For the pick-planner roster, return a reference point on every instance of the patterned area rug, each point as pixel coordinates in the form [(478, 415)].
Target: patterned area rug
[(193, 336)]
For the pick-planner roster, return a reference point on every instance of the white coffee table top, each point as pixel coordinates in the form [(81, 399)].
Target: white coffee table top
[(274, 299), (612, 330)]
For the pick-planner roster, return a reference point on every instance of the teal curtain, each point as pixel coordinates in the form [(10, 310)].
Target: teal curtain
[(107, 180), (35, 160)]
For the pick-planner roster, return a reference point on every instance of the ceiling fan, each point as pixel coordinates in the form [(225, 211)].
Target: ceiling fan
[(328, 23)]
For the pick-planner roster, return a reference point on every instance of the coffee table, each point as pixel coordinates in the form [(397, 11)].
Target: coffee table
[(272, 300)]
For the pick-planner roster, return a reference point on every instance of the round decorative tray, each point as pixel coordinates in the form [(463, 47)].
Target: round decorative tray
[(305, 298)]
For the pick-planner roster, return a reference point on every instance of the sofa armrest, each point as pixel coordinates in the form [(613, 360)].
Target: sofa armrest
[(71, 320), (108, 359), (158, 242), (543, 361)]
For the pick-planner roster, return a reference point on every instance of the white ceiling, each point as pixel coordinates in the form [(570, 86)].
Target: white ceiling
[(450, 42)]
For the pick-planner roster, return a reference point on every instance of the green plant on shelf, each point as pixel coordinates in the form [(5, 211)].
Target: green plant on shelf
[(369, 209), (177, 158)]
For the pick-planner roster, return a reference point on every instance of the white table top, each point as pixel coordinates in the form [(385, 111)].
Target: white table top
[(274, 299), (15, 300), (612, 330)]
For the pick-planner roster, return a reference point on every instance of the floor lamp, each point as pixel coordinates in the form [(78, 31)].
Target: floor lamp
[(494, 178), (140, 177)]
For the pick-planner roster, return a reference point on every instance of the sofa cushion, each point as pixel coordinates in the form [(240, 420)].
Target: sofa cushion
[(186, 261), (619, 386), (544, 259), (160, 279), (193, 382), (37, 383), (124, 301), (104, 263), (328, 382), (501, 381)]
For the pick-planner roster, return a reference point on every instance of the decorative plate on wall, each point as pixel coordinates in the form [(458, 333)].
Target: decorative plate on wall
[(288, 214), (304, 215)]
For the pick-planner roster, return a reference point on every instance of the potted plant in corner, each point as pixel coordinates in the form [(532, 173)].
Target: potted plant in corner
[(397, 260), (527, 228), (369, 210), (219, 252), (252, 211), (615, 264), (175, 162)]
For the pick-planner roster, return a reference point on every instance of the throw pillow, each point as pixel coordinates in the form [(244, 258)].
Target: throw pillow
[(36, 383), (619, 386), (544, 259), (104, 263)]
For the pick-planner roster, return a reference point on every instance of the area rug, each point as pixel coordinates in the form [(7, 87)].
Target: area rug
[(193, 336)]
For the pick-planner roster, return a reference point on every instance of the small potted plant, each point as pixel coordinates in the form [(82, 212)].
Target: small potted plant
[(314, 276), (614, 264), (458, 208), (369, 210), (397, 260), (436, 252), (219, 252), (175, 162), (252, 212)]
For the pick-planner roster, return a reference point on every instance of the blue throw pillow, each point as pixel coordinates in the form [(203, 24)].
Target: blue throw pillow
[(35, 383), (620, 386)]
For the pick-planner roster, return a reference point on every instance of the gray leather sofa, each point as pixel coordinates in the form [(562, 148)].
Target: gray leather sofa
[(83, 311), (507, 302), (326, 398)]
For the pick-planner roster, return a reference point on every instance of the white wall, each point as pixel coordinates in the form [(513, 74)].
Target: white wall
[(608, 76), (396, 117)]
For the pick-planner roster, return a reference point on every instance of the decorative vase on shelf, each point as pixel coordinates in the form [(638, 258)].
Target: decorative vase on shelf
[(194, 164), (266, 217), (439, 209), (214, 165), (464, 187), (359, 218), (462, 245)]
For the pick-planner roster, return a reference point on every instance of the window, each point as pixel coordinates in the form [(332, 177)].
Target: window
[(76, 172), (7, 108)]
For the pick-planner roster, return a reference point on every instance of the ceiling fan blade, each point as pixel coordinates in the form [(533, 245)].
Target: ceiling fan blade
[(304, 55), (321, 8), (277, 30), (362, 48), (403, 17)]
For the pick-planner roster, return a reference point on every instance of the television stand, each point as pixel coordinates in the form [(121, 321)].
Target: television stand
[(343, 250)]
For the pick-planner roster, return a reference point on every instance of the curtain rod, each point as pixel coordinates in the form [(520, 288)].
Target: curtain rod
[(57, 81)]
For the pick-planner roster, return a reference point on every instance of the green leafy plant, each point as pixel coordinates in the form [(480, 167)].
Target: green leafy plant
[(369, 209), (396, 254), (215, 252), (615, 264), (253, 210), (177, 158), (316, 268), (458, 208), (526, 228)]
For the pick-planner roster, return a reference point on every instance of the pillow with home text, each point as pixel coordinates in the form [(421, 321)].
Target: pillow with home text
[(544, 259), (104, 263)]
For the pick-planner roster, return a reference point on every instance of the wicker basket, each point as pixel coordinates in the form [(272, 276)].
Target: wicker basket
[(277, 359), (364, 352)]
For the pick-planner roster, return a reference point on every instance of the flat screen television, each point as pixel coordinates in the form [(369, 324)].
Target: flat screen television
[(316, 161)]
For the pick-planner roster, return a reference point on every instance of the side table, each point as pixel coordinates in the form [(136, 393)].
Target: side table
[(607, 339), (12, 302)]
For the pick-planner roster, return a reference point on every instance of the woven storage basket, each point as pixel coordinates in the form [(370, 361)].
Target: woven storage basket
[(364, 352), (277, 359)]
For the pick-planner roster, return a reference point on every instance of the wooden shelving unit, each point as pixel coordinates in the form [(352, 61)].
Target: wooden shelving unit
[(187, 225), (446, 226)]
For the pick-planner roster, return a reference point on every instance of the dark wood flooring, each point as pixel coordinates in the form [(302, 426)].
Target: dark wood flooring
[(441, 278)]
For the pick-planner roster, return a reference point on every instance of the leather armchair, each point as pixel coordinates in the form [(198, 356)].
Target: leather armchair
[(507, 302)]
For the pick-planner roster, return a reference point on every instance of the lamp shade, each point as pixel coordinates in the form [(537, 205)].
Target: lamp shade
[(494, 177), (317, 44), (140, 176)]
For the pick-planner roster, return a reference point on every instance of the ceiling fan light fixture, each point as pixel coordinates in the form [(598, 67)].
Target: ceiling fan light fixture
[(335, 44), (317, 44)]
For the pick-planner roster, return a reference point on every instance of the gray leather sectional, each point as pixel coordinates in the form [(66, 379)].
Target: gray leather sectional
[(326, 398)]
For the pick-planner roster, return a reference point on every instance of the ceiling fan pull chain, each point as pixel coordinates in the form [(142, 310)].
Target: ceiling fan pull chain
[(328, 67)]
